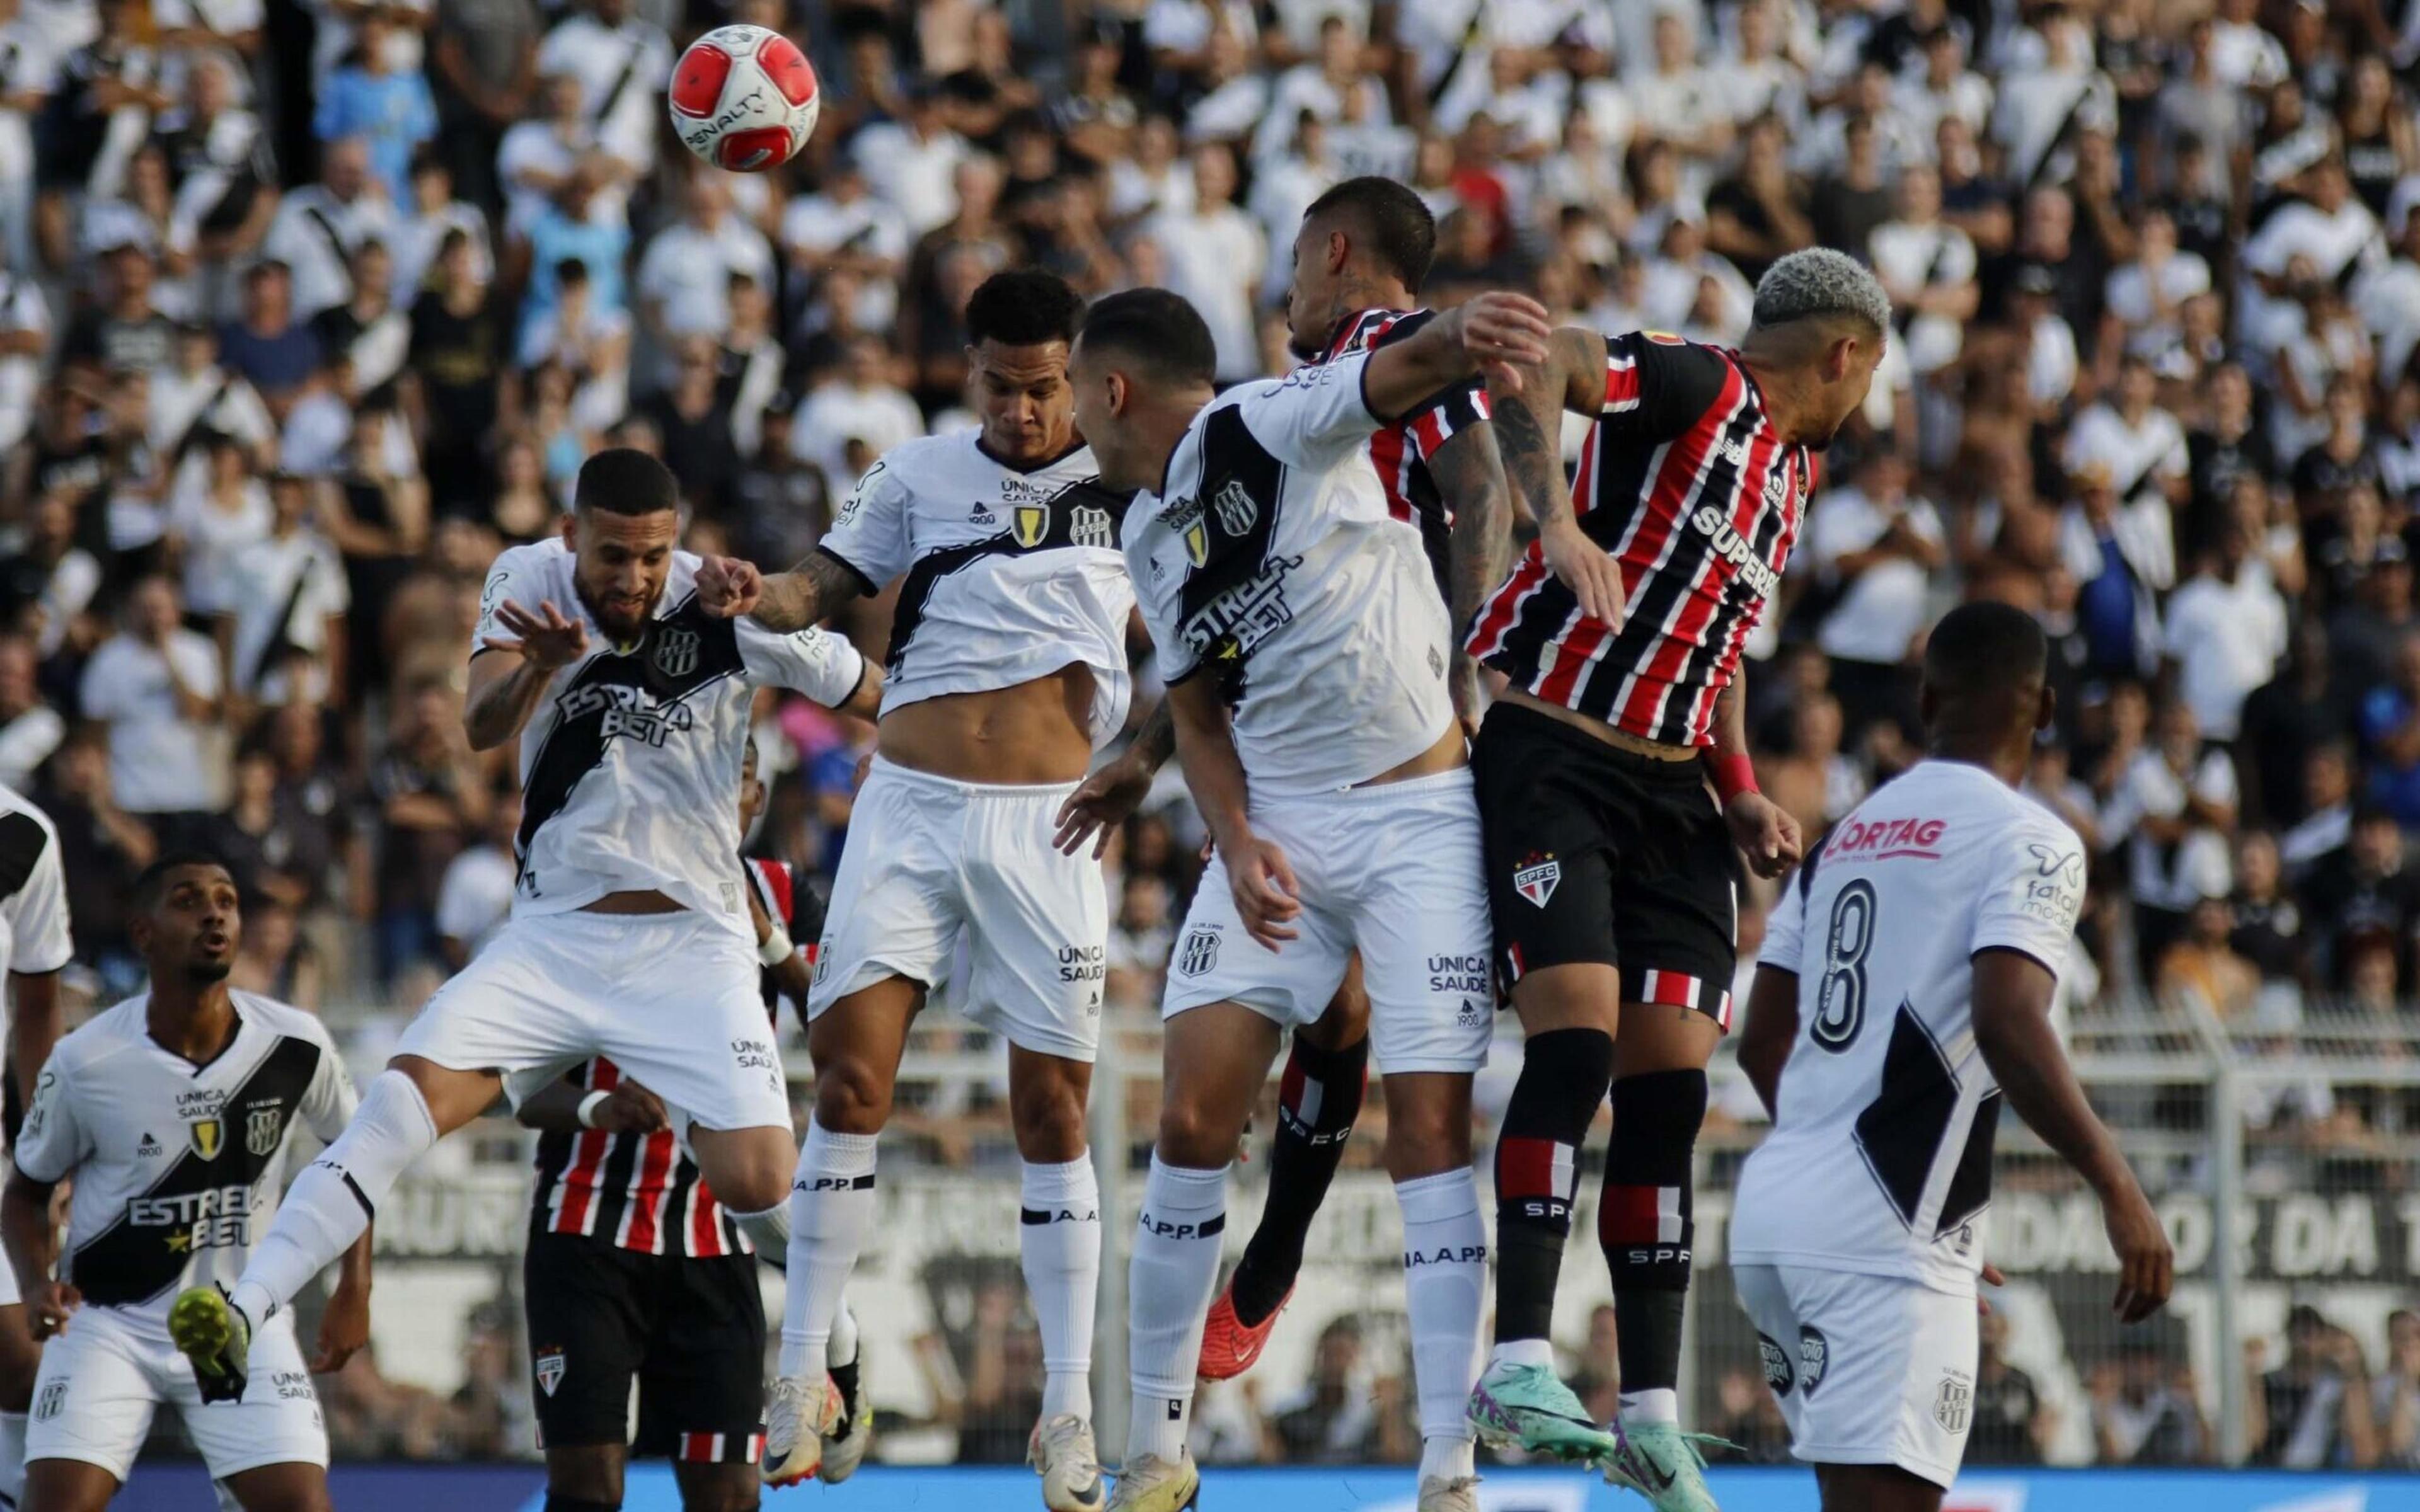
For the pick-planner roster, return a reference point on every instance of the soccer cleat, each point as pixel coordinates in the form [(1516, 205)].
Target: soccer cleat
[(1228, 1346), (1150, 1484), (1062, 1452), (1663, 1465), (799, 1413), (213, 1333), (1523, 1407), (1460, 1494), (845, 1446)]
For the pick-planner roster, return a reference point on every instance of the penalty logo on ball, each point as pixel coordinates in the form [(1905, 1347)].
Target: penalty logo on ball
[(744, 98)]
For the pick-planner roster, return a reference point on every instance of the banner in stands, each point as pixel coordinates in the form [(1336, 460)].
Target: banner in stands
[(160, 1488)]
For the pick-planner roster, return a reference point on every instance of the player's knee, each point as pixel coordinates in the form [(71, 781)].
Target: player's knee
[(1346, 1022), (1048, 1115), (852, 1096), (1418, 1147), (1191, 1137), (584, 1478)]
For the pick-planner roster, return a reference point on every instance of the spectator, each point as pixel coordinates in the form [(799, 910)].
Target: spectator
[(858, 405), (2014, 1426), (2123, 556), (267, 348), (620, 60), (2390, 731), (128, 330), (2268, 930), (2395, 1394), (102, 848), (2174, 806), (2326, 827), (2226, 633), (319, 227), (1216, 255), (684, 278), (30, 728), (2144, 1411), (2313, 1411), (432, 797), (2371, 898), (475, 895), (1872, 546), (693, 418), (1597, 1382), (155, 687), (1332, 1420), (390, 110), (289, 598), (211, 525), (2201, 973)]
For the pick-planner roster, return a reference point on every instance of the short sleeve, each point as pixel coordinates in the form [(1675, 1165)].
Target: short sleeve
[(511, 581), (328, 1103), (53, 1141), (36, 911), (823, 666), (1443, 415), (1313, 416), (1656, 385), (869, 537), (2033, 895), (1785, 927)]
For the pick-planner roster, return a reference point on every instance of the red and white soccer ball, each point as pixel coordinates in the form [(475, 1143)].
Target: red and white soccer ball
[(744, 98)]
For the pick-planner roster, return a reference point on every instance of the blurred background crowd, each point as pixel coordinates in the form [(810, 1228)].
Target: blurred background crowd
[(308, 307)]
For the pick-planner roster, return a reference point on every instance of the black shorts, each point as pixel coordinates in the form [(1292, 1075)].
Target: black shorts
[(1597, 855), (691, 1331)]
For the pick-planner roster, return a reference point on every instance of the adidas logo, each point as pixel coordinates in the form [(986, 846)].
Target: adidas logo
[(147, 1146), (982, 514)]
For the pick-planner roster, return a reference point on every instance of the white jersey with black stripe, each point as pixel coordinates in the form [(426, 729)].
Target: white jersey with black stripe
[(1880, 1159), (1269, 559), (176, 1166), (1011, 573), (33, 892), (629, 764)]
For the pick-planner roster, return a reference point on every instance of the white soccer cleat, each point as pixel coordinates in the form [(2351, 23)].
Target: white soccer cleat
[(1063, 1453), (1459, 1494), (800, 1411), (1150, 1484)]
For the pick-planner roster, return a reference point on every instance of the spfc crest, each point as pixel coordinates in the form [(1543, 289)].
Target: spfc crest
[(1031, 522), (676, 653), (1199, 953), (263, 1128), (549, 1371), (1088, 526), (1237, 509), (206, 1137), (1536, 878)]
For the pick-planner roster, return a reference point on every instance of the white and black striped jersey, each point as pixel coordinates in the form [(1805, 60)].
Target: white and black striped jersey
[(1685, 483), (1402, 452), (629, 765), (1879, 1158), (1012, 573), (33, 936), (178, 1168), (1269, 559)]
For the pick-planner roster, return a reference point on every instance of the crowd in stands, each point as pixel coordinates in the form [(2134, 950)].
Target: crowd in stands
[(309, 308)]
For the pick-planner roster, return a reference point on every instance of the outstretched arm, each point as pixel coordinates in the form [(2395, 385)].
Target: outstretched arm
[(1529, 402), (786, 601), (1500, 335), (1470, 473)]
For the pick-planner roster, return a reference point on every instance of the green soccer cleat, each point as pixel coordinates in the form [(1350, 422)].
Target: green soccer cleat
[(1663, 1465), (213, 1333), (1523, 1407)]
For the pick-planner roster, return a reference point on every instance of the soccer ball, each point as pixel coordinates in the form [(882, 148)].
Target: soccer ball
[(744, 98)]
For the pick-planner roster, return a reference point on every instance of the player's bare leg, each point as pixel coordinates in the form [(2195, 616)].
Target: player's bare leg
[(66, 1485), (21, 1360), (1059, 1241), (1875, 1488), (291, 1487), (1214, 1060), (1644, 1226), (1445, 1270), (1568, 1014), (717, 1488), (406, 1109), (1319, 1098), (857, 1045), (582, 1477)]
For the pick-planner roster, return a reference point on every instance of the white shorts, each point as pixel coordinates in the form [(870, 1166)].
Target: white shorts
[(930, 856), (674, 998), (1392, 871), (1870, 1369), (103, 1378)]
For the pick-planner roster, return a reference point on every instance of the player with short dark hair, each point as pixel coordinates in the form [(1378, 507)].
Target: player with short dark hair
[(171, 1113), (635, 1271), (1305, 657), (1858, 1230), (631, 934), (1612, 869), (1007, 672)]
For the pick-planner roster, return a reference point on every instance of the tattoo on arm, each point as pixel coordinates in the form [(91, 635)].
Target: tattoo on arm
[(1528, 425), (1156, 740), (1470, 473), (799, 597)]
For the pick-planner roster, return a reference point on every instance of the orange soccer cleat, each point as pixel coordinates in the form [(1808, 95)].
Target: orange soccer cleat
[(1228, 1347)]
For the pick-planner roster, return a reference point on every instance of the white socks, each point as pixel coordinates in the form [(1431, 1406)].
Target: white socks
[(831, 1207), (1170, 1283), (330, 1202), (1536, 1352), (1059, 1238), (1445, 1281), (768, 1231), (1661, 1404), (12, 1458)]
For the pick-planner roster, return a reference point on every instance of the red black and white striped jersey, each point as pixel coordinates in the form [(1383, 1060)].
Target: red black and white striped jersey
[(1402, 452), (642, 1192), (1686, 484)]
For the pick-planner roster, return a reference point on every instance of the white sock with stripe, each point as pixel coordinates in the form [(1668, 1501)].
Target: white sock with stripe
[(1059, 1240), (1170, 1283), (331, 1201), (1445, 1282), (831, 1209)]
